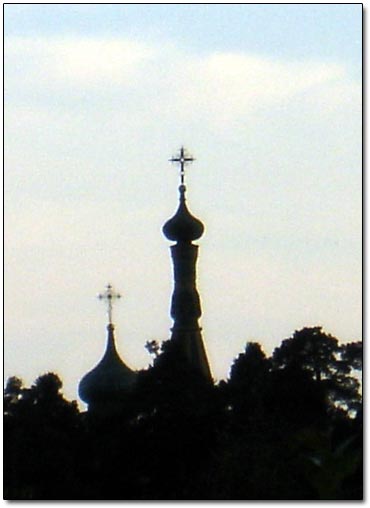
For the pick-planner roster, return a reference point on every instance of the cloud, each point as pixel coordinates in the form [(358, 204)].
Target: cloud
[(233, 84), (75, 61), (228, 83)]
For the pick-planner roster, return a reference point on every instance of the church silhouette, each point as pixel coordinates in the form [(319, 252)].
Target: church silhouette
[(107, 385), (282, 427)]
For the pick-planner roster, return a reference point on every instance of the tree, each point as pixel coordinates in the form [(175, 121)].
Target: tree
[(312, 350), (249, 382), (320, 355), (153, 347), (47, 387), (278, 428), (42, 439), (352, 355), (249, 366), (12, 393)]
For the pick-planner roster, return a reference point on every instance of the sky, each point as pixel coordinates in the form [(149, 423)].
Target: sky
[(266, 97)]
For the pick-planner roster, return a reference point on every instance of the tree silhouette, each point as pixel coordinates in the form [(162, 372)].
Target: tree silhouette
[(41, 429), (352, 355), (312, 350), (319, 354), (12, 393), (287, 426), (249, 383)]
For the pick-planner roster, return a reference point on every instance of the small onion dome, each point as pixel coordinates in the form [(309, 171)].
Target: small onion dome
[(110, 378), (183, 226)]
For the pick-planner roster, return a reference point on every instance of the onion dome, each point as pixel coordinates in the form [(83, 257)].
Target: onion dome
[(183, 227), (110, 379)]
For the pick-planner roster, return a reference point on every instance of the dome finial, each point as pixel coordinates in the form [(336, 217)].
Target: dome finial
[(183, 226), (109, 295), (182, 159)]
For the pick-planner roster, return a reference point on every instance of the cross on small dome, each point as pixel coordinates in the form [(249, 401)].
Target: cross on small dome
[(109, 295), (182, 158)]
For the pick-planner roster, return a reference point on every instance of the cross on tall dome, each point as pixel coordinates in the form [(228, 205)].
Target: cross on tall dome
[(109, 295), (182, 158)]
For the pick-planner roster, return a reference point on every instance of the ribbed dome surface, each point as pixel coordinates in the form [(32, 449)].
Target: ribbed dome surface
[(183, 226), (109, 378)]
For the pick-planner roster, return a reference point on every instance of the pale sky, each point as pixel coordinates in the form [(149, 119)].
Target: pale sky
[(97, 99)]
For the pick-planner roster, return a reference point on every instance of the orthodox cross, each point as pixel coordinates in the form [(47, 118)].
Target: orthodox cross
[(109, 295), (182, 158)]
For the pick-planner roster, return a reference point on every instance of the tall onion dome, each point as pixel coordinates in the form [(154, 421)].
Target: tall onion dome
[(106, 387), (184, 228)]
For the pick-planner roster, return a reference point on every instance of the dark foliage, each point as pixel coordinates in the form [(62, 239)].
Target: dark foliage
[(287, 427)]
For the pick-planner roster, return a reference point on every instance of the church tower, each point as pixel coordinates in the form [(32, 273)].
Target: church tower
[(106, 387), (184, 228)]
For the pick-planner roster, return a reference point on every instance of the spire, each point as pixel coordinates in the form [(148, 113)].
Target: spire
[(184, 228)]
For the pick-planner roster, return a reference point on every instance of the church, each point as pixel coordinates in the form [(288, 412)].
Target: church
[(107, 384)]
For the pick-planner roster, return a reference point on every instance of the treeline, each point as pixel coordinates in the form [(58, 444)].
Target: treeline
[(285, 427)]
